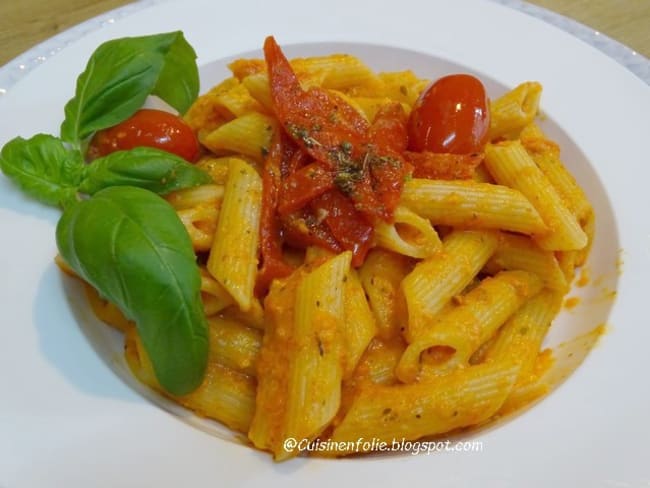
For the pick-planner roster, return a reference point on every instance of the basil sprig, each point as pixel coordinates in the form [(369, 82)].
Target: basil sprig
[(115, 232), (155, 170), (45, 169), (129, 244), (120, 75)]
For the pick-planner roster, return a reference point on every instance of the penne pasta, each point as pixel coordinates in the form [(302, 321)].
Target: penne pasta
[(304, 374), (316, 372), (408, 234), (359, 326), (511, 165), (200, 223), (511, 112), (465, 397), (237, 101), (214, 296), (224, 395), (453, 337), (233, 257), (546, 155), (520, 339), (472, 205), (249, 135), (381, 275), (198, 195), (338, 71), (204, 114), (234, 345), (378, 363), (519, 252), (436, 280)]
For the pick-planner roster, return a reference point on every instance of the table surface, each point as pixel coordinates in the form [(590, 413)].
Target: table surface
[(25, 23)]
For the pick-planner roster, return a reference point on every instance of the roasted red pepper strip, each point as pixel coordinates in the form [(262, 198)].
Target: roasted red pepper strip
[(443, 166), (294, 159), (348, 226), (389, 136), (389, 130), (319, 120), (301, 187), (303, 228), (273, 265), (325, 126)]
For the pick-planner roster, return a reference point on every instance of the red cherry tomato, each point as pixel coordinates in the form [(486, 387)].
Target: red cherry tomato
[(451, 116), (151, 128)]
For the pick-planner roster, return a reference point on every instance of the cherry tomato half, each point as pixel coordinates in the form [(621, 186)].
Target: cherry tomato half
[(151, 128), (451, 116)]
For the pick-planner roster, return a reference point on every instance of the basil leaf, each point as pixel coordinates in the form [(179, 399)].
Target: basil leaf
[(153, 169), (43, 168), (120, 75), (178, 83), (130, 245)]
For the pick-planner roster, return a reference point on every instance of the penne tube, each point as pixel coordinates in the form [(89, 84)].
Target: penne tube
[(519, 252), (359, 326), (214, 296), (316, 371), (249, 135), (338, 71), (511, 112), (378, 363), (405, 412), (301, 363), (224, 395), (234, 254), (454, 336), (253, 317), (204, 115), (273, 366), (201, 225), (234, 345), (199, 195), (257, 85), (436, 280), (473, 205), (237, 102), (408, 234), (510, 164), (546, 155), (521, 337), (381, 275)]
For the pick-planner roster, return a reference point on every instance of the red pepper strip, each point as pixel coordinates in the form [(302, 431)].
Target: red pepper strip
[(273, 265), (303, 186), (303, 228), (389, 129), (317, 119), (326, 127), (294, 159), (348, 226), (389, 137), (443, 166)]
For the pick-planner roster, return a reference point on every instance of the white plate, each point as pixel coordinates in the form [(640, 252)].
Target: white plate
[(66, 417)]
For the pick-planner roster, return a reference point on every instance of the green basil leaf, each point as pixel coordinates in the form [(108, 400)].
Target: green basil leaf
[(131, 246), (153, 169), (178, 83), (120, 75), (43, 167)]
